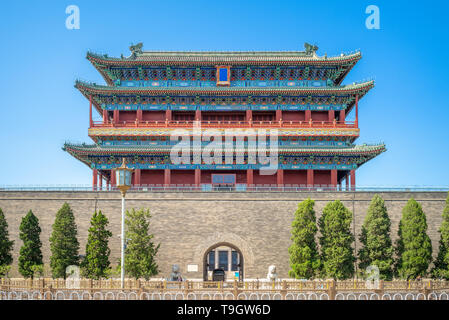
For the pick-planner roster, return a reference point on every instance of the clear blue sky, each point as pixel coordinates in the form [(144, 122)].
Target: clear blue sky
[(408, 57)]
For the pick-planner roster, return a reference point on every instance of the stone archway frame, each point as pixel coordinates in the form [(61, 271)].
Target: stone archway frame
[(226, 239)]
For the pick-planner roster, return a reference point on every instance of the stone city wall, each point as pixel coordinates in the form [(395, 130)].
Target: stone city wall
[(188, 223)]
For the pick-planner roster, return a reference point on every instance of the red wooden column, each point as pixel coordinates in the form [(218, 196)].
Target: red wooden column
[(197, 177), (353, 180), (91, 123), (100, 182), (280, 177), (278, 115), (331, 115), (347, 182), (167, 177), (249, 117), (168, 115), (113, 182), (249, 177), (94, 179), (198, 115), (308, 115), (357, 111), (137, 175), (116, 116), (334, 178), (342, 115), (310, 182), (139, 115), (105, 116)]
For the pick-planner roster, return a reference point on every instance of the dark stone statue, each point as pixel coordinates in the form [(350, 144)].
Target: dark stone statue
[(175, 274), (136, 49), (310, 49)]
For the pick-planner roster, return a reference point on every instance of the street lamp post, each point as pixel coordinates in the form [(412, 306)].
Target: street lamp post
[(123, 175)]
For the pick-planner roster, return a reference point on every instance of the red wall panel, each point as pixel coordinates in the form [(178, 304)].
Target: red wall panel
[(293, 116), (264, 179), (183, 115), (152, 177), (153, 116), (295, 177), (264, 115), (183, 177), (322, 177), (320, 116), (128, 116), (223, 116)]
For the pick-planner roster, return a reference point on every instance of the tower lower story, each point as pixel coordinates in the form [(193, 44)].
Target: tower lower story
[(209, 180)]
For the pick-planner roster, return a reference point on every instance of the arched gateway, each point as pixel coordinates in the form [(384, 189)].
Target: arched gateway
[(233, 242), (225, 256)]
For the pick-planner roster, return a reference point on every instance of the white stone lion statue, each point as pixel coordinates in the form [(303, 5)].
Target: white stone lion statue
[(271, 275)]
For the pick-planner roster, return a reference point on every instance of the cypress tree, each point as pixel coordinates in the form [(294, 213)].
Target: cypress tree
[(413, 246), (5, 246), (441, 268), (377, 248), (96, 263), (30, 255), (336, 241), (304, 256), (64, 245), (140, 250)]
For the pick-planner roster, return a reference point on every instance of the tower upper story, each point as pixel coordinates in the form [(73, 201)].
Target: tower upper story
[(149, 95), (227, 69)]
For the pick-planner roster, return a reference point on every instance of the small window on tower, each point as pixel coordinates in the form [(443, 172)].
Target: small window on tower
[(223, 75)]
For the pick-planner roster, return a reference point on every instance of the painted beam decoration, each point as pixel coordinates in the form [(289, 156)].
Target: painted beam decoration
[(224, 98), (158, 157)]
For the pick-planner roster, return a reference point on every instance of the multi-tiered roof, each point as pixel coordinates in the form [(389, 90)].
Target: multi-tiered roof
[(295, 85)]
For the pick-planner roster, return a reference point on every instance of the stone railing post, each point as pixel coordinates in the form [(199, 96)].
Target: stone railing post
[(139, 288), (8, 284), (380, 289), (5, 284), (52, 292), (42, 286), (284, 289), (235, 289), (186, 288), (91, 286), (427, 287), (332, 289)]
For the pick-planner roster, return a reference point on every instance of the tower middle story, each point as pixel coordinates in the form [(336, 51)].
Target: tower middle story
[(153, 102)]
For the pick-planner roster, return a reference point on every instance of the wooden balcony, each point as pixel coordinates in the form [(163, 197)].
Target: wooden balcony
[(225, 124)]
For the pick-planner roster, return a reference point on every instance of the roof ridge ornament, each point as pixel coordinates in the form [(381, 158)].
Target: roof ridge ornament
[(136, 49), (310, 49)]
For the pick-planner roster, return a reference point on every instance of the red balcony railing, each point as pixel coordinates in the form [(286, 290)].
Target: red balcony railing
[(226, 124)]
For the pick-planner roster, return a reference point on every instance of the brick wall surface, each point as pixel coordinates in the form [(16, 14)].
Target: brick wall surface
[(187, 224)]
